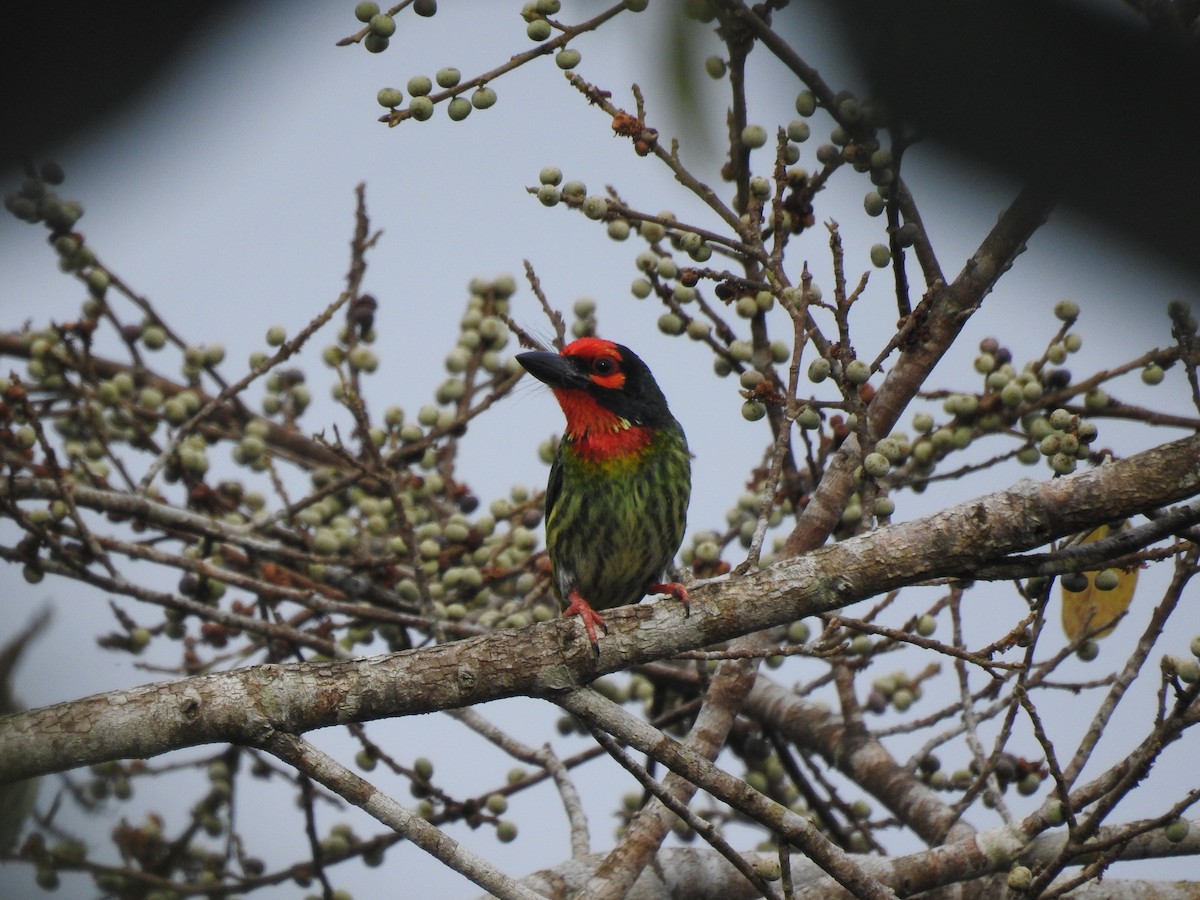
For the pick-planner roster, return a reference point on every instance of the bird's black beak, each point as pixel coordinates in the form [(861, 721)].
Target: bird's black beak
[(553, 370)]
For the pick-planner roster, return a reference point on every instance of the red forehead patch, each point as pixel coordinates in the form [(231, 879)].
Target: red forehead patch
[(592, 348)]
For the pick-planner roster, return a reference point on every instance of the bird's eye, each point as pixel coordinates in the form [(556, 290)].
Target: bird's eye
[(603, 366)]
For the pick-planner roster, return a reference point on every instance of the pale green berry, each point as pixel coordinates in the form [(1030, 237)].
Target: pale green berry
[(548, 195), (819, 369), (595, 207), (652, 231), (750, 379), (575, 190), (754, 136), (1019, 878), (1062, 463), (363, 359), (857, 372), (458, 109), (1073, 342), (420, 108), (1028, 455), (389, 98), (670, 323), (97, 282), (876, 465), (881, 255), (752, 411), (985, 363), (550, 175), (926, 625), (618, 229), (419, 85), (506, 832), (715, 67), (154, 337), (760, 187), (382, 25), (808, 418), (375, 43), (567, 58), (1066, 310), (150, 398), (1095, 400), (1176, 830), (276, 335), (997, 380), (1055, 814), (538, 30), (1152, 374), (798, 131), (366, 10), (698, 329), (806, 103), (641, 288), (448, 77), (742, 351), (483, 98), (746, 307), (873, 203)]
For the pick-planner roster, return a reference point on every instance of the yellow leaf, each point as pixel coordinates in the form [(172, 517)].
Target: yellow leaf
[(1091, 608)]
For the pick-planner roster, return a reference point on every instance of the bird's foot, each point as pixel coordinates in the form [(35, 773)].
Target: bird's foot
[(580, 607), (676, 590)]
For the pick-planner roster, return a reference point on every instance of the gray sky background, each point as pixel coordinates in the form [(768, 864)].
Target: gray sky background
[(225, 196)]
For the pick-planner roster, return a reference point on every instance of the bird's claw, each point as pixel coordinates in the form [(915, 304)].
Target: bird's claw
[(583, 609), (674, 589)]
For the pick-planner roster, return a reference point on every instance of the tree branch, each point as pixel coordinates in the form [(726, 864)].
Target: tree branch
[(544, 659)]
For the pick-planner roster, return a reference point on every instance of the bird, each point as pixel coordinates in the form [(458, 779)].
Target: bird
[(620, 481)]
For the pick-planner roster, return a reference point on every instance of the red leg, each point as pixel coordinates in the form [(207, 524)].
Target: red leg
[(580, 607), (676, 590)]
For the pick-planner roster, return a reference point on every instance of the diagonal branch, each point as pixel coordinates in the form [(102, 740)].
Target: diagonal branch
[(541, 660)]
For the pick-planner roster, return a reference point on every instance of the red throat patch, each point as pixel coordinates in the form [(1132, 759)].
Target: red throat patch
[(599, 434)]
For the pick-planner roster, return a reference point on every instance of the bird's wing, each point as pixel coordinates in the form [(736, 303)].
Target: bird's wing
[(554, 485)]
